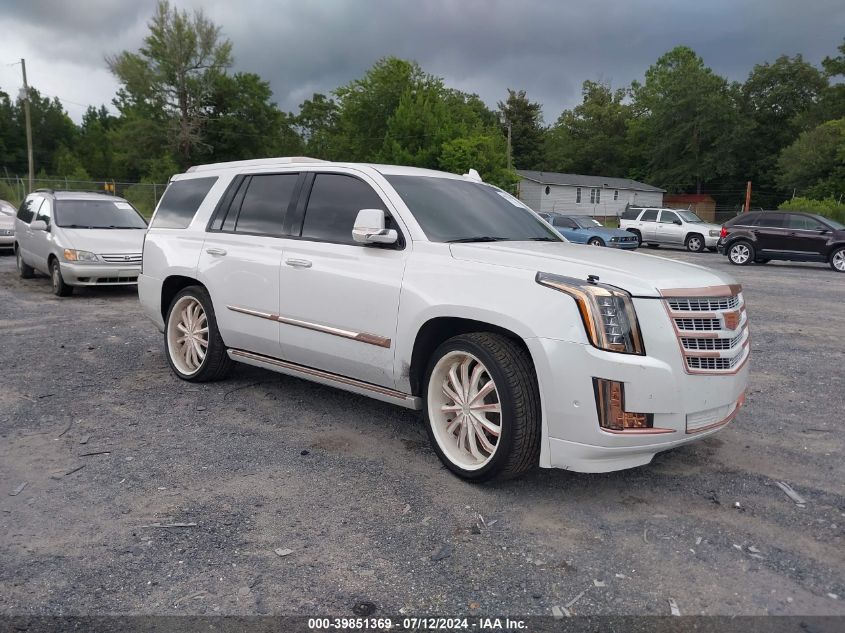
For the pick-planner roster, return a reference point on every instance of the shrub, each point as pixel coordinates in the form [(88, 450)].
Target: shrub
[(828, 207)]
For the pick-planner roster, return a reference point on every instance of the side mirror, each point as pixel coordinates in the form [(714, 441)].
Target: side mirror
[(369, 228), (38, 225), (678, 222)]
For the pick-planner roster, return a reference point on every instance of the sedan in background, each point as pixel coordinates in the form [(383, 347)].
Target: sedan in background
[(582, 229), (7, 225)]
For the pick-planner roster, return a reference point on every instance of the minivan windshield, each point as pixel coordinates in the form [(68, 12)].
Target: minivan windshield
[(690, 217), (97, 214), (454, 210)]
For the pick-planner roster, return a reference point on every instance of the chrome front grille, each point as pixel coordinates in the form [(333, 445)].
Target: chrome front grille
[(712, 330), (122, 258)]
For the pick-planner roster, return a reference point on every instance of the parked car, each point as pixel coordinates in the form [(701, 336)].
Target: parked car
[(7, 225), (582, 229), (760, 237), (670, 227), (79, 239), (433, 291)]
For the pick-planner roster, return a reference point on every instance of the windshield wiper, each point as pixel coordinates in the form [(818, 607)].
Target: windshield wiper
[(478, 238), (543, 239), (75, 226)]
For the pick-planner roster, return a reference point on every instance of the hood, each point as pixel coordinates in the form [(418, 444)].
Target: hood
[(105, 240), (640, 274), (7, 221), (707, 226)]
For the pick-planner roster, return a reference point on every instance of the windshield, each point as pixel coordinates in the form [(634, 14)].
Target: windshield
[(689, 216), (452, 210), (830, 222), (97, 214), (586, 223)]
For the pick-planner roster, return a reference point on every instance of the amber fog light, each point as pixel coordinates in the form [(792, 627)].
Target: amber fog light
[(610, 404)]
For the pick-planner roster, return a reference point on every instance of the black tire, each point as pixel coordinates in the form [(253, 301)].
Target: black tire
[(595, 241), (216, 364), (24, 270), (837, 259), (739, 257), (60, 288), (638, 236), (694, 243), (511, 368), (651, 245)]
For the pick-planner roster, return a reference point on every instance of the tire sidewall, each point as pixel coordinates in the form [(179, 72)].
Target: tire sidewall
[(841, 249), (505, 445), (595, 241), (201, 295), (751, 256)]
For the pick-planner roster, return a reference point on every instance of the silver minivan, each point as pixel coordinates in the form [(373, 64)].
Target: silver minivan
[(79, 239)]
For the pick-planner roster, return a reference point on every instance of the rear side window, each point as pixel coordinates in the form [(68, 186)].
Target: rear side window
[(333, 206), (650, 215), (770, 220), (45, 213), (803, 222), (264, 204), (180, 202), (27, 211), (743, 219), (630, 214)]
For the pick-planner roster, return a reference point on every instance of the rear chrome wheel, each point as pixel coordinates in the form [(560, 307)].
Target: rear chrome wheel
[(596, 241), (195, 350), (464, 410), (741, 253)]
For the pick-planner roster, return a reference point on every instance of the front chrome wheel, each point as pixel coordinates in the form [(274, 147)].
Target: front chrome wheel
[(187, 335), (740, 254), (695, 244), (838, 261), (464, 410)]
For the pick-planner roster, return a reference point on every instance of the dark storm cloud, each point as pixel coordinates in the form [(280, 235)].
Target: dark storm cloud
[(545, 47)]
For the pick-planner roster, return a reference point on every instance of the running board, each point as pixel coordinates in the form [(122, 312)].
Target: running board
[(327, 378)]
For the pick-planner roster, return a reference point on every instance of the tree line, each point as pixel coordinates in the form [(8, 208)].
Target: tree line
[(683, 127)]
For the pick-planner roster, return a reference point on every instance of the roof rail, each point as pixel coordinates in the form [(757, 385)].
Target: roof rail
[(256, 162)]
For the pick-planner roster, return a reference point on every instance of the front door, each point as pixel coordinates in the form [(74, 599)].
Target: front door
[(805, 237), (670, 230), (240, 260), (23, 234), (340, 299)]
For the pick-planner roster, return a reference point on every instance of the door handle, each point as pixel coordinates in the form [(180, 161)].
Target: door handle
[(216, 251), (298, 263)]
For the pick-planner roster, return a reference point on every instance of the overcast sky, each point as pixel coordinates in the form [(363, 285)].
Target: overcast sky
[(546, 47)]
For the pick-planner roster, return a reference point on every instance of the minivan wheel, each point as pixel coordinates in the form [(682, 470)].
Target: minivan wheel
[(195, 350), (25, 271), (482, 407), (837, 260), (741, 253), (60, 288), (695, 243)]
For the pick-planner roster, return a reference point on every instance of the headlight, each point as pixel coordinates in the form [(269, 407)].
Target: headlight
[(608, 313), (80, 256), (715, 232), (614, 239)]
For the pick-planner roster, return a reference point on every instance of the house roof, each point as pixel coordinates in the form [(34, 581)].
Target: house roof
[(577, 180)]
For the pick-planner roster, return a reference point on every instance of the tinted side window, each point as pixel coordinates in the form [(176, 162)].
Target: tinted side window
[(27, 211), (630, 214), (649, 216), (45, 213), (802, 222), (566, 223), (180, 202), (265, 203), (333, 206), (743, 219), (771, 220), (668, 216)]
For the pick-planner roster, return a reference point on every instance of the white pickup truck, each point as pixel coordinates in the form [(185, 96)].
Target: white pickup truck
[(670, 227), (440, 293)]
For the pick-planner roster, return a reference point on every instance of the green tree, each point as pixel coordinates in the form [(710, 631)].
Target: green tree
[(94, 147), (684, 120), (486, 154), (814, 164), (317, 124), (832, 103), (590, 138), (527, 134), (174, 73), (67, 165)]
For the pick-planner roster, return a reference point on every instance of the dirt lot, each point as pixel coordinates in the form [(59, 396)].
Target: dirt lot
[(263, 461)]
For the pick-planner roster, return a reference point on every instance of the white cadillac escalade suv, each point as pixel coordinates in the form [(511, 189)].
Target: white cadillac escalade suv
[(441, 293)]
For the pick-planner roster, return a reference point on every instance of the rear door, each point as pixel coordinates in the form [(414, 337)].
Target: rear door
[(340, 299), (769, 232), (647, 225), (806, 237), (670, 230), (241, 256)]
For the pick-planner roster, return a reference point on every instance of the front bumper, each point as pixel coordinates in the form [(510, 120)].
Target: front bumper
[(656, 384), (7, 241), (99, 274), (628, 246), (710, 241)]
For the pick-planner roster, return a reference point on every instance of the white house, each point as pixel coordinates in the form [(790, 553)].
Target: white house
[(573, 194)]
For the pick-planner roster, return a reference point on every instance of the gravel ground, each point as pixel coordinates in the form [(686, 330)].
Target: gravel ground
[(262, 462)]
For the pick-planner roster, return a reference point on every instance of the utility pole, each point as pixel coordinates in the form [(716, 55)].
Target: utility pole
[(748, 197), (30, 159)]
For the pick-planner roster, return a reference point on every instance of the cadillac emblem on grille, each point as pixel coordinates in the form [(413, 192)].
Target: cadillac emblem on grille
[(731, 319)]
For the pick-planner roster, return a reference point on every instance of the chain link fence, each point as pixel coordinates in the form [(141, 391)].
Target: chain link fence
[(143, 196)]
